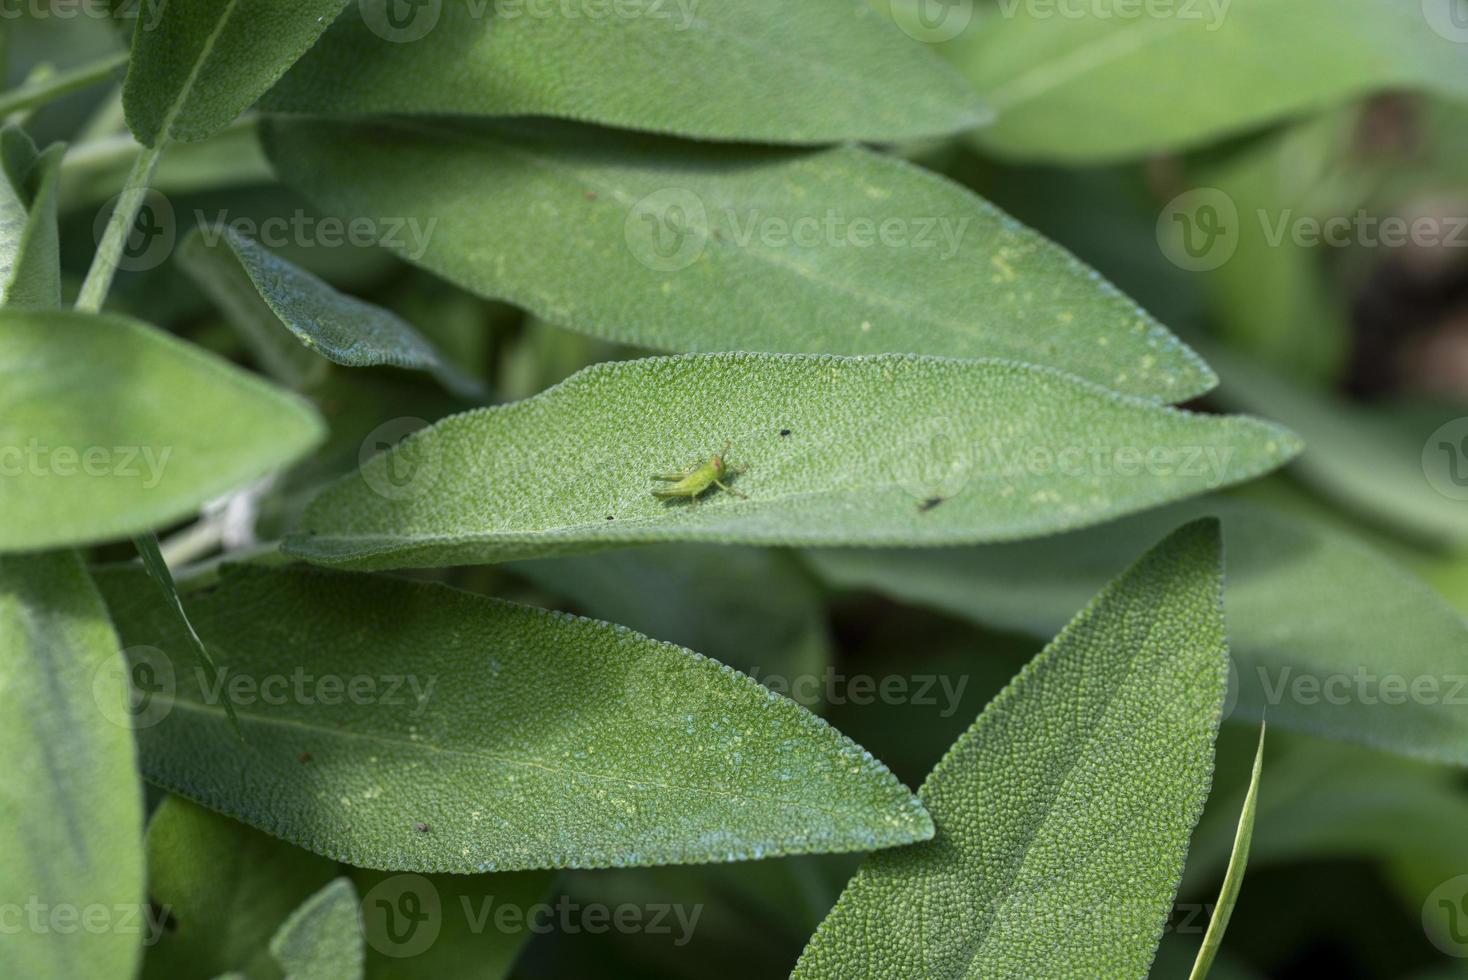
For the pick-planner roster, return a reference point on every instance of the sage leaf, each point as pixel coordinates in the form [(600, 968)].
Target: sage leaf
[(823, 71), (688, 247), (267, 295), (1233, 880), (896, 450), (1096, 88), (71, 805), (30, 257), (225, 888), (100, 434), (322, 940), (196, 66), (1071, 799), (1322, 628), (493, 737)]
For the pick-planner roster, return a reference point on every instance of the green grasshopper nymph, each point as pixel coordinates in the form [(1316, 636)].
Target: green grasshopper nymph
[(698, 478)]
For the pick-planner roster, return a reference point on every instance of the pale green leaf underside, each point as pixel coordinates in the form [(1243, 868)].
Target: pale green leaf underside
[(30, 262), (196, 66), (896, 450), (1091, 88), (1063, 815), (1233, 880), (71, 806), (322, 940), (227, 888), (100, 433), (514, 739), (684, 247), (819, 71), (1310, 611), (341, 328)]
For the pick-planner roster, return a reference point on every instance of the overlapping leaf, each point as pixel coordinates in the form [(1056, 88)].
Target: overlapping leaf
[(267, 295), (1067, 806), (30, 262), (1155, 77), (198, 65), (1327, 636), (895, 449), (684, 247), (821, 71), (403, 726), (100, 433), (71, 806)]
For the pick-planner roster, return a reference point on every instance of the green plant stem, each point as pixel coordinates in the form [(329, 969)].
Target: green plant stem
[(114, 239), (64, 83)]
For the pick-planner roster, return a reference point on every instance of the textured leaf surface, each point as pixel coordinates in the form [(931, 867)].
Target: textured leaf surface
[(71, 805), (100, 433), (1067, 806), (682, 247), (322, 940), (821, 71), (264, 292), (1090, 88), (896, 450), (30, 261), (196, 66), (514, 738), (1318, 623), (227, 889), (1233, 880)]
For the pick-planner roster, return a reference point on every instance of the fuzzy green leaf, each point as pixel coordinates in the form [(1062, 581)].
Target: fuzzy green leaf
[(100, 433), (267, 295), (30, 259), (1322, 629), (893, 449), (494, 736), (322, 940), (227, 889), (683, 247), (821, 71), (1063, 815), (196, 66), (71, 805), (1096, 88)]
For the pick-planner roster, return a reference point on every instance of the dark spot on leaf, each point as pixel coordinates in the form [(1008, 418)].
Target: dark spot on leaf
[(610, 517), (929, 504), (784, 432), (422, 828), (303, 758), (591, 195)]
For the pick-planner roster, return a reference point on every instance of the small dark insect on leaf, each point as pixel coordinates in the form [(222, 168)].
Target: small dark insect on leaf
[(303, 758), (422, 828), (591, 195), (610, 517), (929, 504), (784, 432)]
